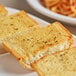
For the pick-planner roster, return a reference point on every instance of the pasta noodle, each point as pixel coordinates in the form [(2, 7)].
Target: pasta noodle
[(64, 7)]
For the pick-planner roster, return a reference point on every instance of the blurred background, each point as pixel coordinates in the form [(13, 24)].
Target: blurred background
[(23, 5)]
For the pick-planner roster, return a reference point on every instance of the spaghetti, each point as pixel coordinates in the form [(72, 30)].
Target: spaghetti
[(64, 7)]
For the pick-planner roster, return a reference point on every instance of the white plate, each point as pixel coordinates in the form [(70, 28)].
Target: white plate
[(9, 66), (37, 6)]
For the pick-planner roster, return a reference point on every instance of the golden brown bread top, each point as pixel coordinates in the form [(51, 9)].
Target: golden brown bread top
[(32, 44), (15, 23), (58, 64)]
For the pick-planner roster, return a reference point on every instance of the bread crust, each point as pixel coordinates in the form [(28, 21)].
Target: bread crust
[(18, 56), (62, 27), (69, 33), (23, 12)]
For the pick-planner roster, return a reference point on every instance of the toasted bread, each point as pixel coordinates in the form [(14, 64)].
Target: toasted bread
[(3, 13), (58, 64), (13, 24), (35, 44)]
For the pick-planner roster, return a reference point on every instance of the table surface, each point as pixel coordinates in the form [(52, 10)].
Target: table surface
[(23, 5)]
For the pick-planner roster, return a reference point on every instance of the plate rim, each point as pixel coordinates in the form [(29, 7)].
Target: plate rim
[(38, 7)]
